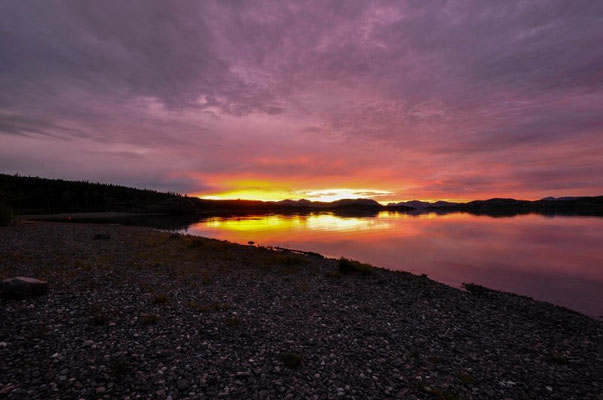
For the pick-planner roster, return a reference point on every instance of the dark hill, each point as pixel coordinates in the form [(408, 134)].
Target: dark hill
[(34, 195)]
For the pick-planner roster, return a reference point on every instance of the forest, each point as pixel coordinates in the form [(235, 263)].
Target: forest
[(34, 195)]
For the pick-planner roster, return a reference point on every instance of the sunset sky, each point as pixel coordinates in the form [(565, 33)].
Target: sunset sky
[(321, 100)]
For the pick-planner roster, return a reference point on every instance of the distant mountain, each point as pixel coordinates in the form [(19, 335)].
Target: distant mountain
[(509, 206), (303, 203), (420, 205), (549, 206), (295, 203), (559, 198), (356, 203)]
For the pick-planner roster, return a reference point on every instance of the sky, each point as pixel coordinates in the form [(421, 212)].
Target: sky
[(454, 100)]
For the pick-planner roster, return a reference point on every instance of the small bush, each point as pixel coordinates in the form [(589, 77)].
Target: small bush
[(6, 215), (274, 259), (291, 360), (197, 307), (99, 319), (558, 359), (150, 319), (465, 377), (443, 394), (437, 359), (219, 306), (196, 244), (119, 367), (233, 322), (333, 274), (159, 299), (206, 308), (293, 259), (205, 279), (350, 266), (476, 289)]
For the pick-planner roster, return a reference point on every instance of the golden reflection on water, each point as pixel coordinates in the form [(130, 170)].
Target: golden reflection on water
[(287, 223)]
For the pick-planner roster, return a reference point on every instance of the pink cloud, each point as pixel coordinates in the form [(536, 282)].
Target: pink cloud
[(426, 100)]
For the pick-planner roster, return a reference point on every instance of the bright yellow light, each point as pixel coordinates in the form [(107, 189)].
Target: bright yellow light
[(343, 193), (260, 223), (250, 194), (279, 223), (258, 190)]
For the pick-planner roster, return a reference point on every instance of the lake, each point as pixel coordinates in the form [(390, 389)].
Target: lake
[(555, 259)]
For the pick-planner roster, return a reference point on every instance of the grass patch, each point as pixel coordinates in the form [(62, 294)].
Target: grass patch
[(291, 360), (443, 394), (99, 319), (477, 290), (205, 279), (197, 307), (292, 260), (350, 266), (558, 359), (119, 368), (159, 299), (447, 394), (334, 275), (465, 378), (287, 262), (219, 306), (302, 288), (196, 244), (150, 319), (7, 215), (233, 322), (437, 359), (367, 308), (38, 331), (215, 306)]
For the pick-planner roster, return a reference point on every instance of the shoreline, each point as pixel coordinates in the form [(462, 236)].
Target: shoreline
[(144, 313), (181, 225)]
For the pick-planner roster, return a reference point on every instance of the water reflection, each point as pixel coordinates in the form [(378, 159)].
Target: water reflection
[(556, 259), (317, 222)]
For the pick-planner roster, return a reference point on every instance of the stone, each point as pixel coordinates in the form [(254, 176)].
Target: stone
[(22, 287), (182, 384), (101, 236)]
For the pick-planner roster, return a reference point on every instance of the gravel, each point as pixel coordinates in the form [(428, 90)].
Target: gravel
[(142, 314)]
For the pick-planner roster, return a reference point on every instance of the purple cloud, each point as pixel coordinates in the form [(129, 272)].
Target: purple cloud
[(424, 89)]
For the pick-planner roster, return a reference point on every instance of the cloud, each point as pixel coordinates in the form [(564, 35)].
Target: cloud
[(410, 95)]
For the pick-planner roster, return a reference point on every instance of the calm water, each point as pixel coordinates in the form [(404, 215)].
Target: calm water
[(556, 259)]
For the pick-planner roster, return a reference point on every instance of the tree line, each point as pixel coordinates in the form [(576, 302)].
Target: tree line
[(34, 195)]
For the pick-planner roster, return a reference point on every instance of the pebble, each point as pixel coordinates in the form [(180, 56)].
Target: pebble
[(355, 336)]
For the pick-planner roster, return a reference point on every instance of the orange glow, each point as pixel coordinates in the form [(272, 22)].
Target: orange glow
[(266, 190)]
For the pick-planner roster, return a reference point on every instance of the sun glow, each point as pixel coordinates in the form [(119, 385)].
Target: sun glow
[(267, 194)]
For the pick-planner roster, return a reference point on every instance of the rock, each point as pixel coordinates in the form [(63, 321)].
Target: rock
[(182, 384), (101, 236), (22, 287)]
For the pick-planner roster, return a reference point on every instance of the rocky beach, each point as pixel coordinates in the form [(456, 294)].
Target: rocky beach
[(134, 313)]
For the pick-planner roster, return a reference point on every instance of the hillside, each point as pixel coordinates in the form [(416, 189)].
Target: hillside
[(34, 195)]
